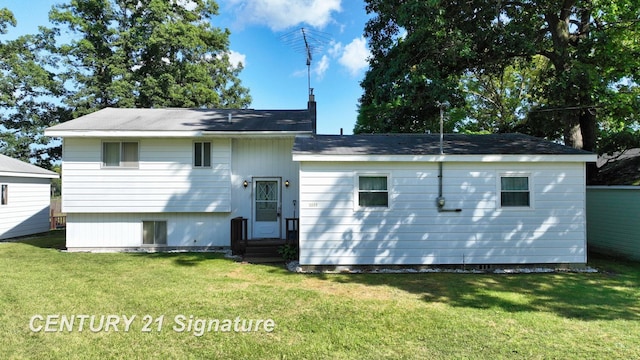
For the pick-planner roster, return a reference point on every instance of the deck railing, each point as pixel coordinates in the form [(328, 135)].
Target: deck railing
[(239, 236), (57, 221), (292, 234)]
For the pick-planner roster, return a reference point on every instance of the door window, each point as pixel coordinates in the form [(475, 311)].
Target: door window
[(266, 201)]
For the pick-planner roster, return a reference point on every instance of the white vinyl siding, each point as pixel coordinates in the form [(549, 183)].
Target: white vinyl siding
[(164, 181), (26, 207), (106, 208), (264, 158), (113, 232), (412, 231)]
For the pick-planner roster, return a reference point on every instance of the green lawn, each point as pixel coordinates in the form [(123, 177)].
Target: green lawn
[(321, 316)]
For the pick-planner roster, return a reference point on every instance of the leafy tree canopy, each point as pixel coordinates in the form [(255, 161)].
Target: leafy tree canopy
[(564, 70), (147, 53), (27, 88), (114, 53)]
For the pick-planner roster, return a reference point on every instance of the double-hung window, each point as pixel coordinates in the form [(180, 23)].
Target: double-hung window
[(154, 232), (120, 154), (515, 191), (202, 154), (373, 191)]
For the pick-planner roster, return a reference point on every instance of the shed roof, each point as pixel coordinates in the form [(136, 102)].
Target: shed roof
[(15, 168), (187, 120), (429, 145)]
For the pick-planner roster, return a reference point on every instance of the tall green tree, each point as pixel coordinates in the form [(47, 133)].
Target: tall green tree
[(422, 50), (500, 102), (146, 53), (28, 92)]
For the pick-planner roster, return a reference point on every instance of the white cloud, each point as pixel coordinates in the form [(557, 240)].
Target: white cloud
[(236, 58), (189, 5), (335, 48), (321, 67), (283, 14), (354, 56)]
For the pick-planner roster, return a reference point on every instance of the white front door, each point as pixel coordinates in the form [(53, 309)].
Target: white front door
[(266, 208)]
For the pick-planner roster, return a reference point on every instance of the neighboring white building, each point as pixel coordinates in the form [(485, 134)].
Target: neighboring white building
[(174, 178), (25, 198), (401, 200)]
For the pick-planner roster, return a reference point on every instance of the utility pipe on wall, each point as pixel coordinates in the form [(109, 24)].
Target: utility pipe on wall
[(440, 201)]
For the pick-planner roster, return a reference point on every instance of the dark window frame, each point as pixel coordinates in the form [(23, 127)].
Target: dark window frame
[(202, 154), (4, 194)]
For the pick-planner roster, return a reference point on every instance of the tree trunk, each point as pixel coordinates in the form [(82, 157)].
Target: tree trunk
[(588, 129), (581, 134)]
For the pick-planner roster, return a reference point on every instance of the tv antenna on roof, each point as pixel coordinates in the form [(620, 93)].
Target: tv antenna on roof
[(308, 42)]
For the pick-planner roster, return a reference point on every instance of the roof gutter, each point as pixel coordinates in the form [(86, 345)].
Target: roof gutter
[(29, 175), (166, 134), (484, 158)]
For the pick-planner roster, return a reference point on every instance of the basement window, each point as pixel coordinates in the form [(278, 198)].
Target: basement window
[(514, 191), (373, 191), (154, 233)]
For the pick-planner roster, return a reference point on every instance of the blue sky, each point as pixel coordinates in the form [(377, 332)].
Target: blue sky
[(266, 38)]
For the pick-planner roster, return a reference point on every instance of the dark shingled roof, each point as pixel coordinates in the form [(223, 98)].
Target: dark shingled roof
[(118, 119), (429, 144)]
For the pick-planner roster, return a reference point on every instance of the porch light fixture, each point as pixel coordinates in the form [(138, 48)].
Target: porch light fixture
[(245, 184), (286, 183)]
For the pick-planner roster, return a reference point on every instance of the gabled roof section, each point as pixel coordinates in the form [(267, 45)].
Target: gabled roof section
[(16, 168), (457, 147), (184, 122)]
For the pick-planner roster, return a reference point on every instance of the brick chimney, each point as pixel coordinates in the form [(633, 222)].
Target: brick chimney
[(311, 108)]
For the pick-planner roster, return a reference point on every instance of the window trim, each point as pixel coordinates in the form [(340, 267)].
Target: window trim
[(529, 190), (4, 194), (193, 154), (356, 191), (120, 166), (154, 235)]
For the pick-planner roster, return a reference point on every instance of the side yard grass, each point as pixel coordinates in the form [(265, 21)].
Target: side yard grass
[(319, 316)]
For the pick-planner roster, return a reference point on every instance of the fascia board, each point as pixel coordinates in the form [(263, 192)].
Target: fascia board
[(446, 158), (167, 134)]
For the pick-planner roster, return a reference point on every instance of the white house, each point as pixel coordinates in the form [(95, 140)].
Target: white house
[(407, 200), (25, 198), (174, 178)]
